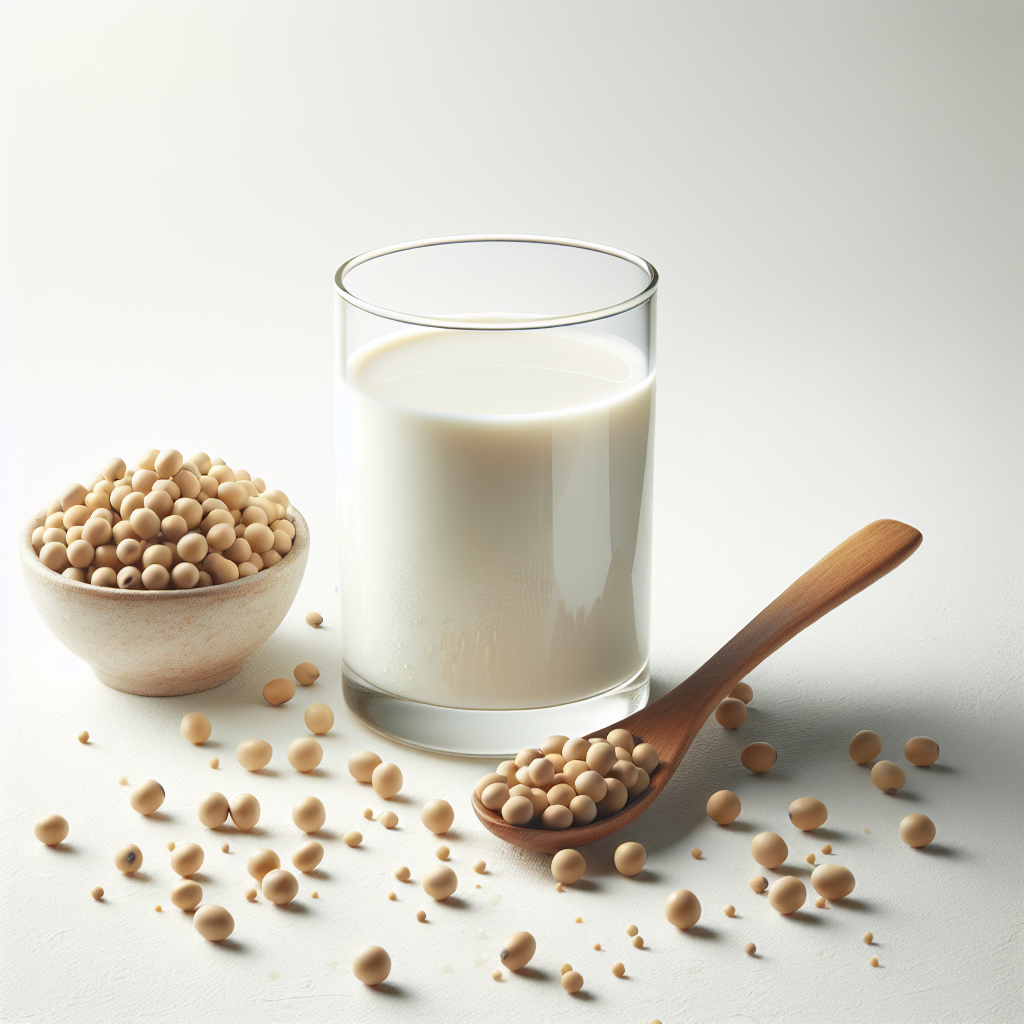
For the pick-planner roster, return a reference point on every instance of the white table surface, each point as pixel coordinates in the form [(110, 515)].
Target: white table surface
[(831, 193)]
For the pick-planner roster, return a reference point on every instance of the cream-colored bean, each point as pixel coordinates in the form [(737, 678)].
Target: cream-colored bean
[(283, 526), (245, 811), (592, 784), (239, 551), (187, 859), (104, 576), (833, 881), (921, 751), (319, 719), (80, 553), (646, 757), (254, 754), (769, 849), (440, 882), (280, 886), (95, 500), (630, 858), (145, 522), (143, 480), (221, 570), (372, 965), (220, 537), (187, 483), (279, 691), (723, 807), (807, 813), (160, 504), (614, 799), (129, 578), (213, 810), (568, 866), (156, 554), (917, 830), (305, 754), (51, 830), (147, 797), (731, 713), (254, 515), (601, 757), (437, 816), (387, 780), (77, 515), (517, 951), (97, 532), (888, 777), (308, 856), (193, 547), (128, 859), (309, 814), (156, 577), (787, 894), (232, 494), (584, 809), (168, 487), (865, 746), (73, 494), (129, 551), (682, 909)]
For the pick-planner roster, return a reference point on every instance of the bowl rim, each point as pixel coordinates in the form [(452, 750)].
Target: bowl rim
[(30, 561)]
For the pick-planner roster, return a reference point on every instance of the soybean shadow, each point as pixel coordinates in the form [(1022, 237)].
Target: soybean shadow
[(389, 990), (850, 904), (938, 850), (827, 833), (793, 870), (294, 908), (533, 973)]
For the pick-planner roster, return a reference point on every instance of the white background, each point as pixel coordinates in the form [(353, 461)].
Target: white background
[(832, 195)]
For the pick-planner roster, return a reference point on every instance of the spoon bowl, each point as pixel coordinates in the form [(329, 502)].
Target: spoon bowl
[(672, 722)]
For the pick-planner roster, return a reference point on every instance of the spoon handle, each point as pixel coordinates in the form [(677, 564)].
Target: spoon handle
[(846, 570)]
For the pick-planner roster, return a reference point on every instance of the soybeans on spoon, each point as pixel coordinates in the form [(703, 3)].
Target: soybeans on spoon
[(672, 722)]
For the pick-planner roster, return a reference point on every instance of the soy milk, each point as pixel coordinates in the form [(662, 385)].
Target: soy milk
[(496, 515)]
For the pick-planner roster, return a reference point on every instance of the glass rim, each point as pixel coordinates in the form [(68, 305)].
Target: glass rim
[(458, 323)]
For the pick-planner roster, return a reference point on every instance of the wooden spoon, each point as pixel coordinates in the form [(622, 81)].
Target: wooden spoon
[(672, 722)]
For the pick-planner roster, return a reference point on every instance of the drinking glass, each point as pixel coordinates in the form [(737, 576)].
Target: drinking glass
[(494, 431)]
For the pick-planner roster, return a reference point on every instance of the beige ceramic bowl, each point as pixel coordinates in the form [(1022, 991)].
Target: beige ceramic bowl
[(159, 643)]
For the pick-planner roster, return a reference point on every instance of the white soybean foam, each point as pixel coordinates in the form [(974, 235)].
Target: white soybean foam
[(495, 514)]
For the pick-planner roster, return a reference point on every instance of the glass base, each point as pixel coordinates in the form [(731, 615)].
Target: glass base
[(487, 733)]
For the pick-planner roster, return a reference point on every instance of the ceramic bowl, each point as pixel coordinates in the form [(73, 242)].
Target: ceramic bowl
[(159, 643)]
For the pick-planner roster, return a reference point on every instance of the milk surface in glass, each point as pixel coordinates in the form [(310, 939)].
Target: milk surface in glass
[(496, 515)]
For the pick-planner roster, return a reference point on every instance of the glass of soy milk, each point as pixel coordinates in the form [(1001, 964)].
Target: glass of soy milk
[(495, 440)]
